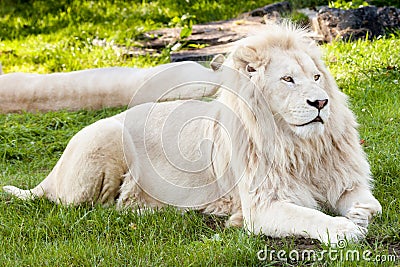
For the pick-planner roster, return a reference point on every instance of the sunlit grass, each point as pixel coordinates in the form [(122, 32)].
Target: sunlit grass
[(48, 36)]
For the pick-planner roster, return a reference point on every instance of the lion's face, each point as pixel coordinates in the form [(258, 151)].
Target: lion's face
[(294, 91), (292, 85)]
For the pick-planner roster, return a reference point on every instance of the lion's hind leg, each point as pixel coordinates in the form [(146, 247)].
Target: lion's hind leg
[(92, 167), (129, 193), (133, 197), (90, 170)]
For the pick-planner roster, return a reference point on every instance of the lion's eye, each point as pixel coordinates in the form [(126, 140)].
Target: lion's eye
[(316, 77), (288, 79)]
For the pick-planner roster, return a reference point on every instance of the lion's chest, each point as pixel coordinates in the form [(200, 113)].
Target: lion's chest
[(311, 173)]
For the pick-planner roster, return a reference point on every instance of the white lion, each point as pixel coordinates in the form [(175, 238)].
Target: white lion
[(277, 143), (98, 88)]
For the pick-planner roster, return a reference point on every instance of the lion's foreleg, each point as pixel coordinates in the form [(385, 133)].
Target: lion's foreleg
[(359, 205), (281, 218)]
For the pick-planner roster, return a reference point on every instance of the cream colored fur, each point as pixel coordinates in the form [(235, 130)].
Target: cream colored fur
[(248, 154), (97, 88)]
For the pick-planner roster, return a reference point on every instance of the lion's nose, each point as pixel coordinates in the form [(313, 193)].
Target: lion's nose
[(318, 104)]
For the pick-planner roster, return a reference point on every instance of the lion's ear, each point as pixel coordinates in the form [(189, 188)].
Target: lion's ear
[(244, 55), (217, 62)]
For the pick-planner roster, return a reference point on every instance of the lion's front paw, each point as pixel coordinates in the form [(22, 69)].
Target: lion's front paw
[(361, 214), (341, 228)]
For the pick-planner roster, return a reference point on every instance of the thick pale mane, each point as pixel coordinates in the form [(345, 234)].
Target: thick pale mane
[(307, 169), (285, 36)]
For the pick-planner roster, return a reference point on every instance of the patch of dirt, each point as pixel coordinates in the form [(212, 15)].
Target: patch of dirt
[(216, 223)]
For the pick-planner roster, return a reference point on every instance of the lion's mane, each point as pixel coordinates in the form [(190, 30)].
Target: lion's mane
[(306, 171)]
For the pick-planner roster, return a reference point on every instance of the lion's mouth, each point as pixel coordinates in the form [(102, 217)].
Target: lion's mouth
[(317, 119)]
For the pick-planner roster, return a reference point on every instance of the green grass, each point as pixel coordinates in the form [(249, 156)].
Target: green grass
[(47, 36), (369, 73)]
